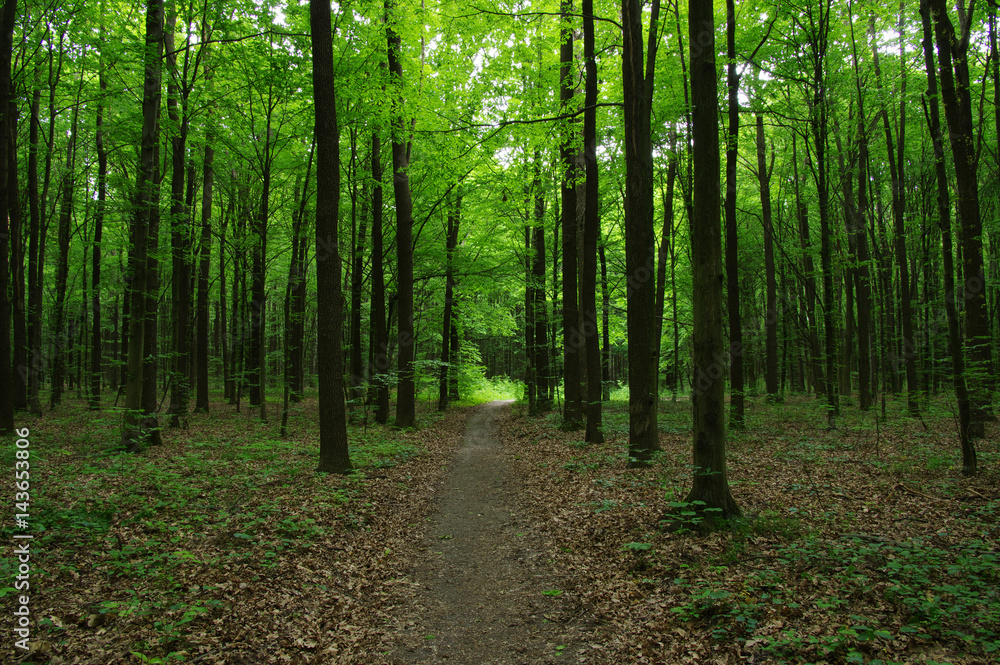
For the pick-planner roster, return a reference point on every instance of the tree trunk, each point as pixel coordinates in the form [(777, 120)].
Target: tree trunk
[(380, 378), (711, 480), (451, 242), (663, 257), (771, 315), (333, 450), (357, 370), (539, 306), (954, 70), (640, 244), (134, 430), (406, 391), (736, 408), (572, 389), (606, 328), (7, 20), (965, 407), (208, 180)]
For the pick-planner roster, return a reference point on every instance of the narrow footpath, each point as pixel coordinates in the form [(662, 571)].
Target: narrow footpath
[(483, 590)]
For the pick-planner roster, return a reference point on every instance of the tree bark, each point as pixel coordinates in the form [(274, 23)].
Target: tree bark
[(333, 450), (965, 408), (736, 408), (771, 315), (380, 377), (711, 480), (135, 427), (954, 71), (572, 389), (451, 242), (406, 390), (640, 245), (7, 20)]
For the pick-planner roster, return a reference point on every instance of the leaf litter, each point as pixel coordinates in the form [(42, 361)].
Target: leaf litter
[(224, 546)]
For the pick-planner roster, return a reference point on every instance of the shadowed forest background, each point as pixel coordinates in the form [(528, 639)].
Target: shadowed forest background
[(738, 265)]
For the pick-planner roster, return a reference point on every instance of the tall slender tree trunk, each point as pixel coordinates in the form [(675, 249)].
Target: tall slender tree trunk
[(640, 244), (771, 316), (447, 362), (134, 430), (7, 20), (711, 480), (606, 327), (207, 184), (572, 389), (955, 93), (333, 450), (663, 257), (539, 306), (380, 371), (965, 404), (406, 391), (180, 240), (36, 259), (736, 408), (59, 327)]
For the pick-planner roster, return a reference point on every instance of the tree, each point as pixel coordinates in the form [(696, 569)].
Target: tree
[(136, 428), (333, 449), (7, 19), (732, 237), (406, 391), (711, 479), (640, 260)]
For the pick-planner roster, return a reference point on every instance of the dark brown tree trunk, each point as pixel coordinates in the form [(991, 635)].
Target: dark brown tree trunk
[(135, 426), (954, 71), (572, 389), (36, 259), (257, 365), (333, 451), (539, 304), (406, 390), (711, 480), (592, 225), (102, 194), (736, 408), (771, 316), (862, 276), (965, 406), (208, 180), (808, 268), (896, 164), (454, 357), (663, 257), (640, 244), (180, 239), (447, 362), (19, 366), (606, 328), (59, 327), (7, 20), (357, 371), (151, 348), (380, 371)]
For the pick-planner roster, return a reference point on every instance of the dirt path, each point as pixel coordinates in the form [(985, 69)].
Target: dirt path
[(477, 590)]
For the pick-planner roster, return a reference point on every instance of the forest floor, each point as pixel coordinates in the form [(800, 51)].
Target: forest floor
[(490, 536)]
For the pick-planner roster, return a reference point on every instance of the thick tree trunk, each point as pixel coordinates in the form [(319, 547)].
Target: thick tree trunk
[(711, 480), (640, 244), (333, 450), (591, 229)]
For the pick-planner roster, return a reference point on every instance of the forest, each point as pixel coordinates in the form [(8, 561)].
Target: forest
[(505, 332)]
